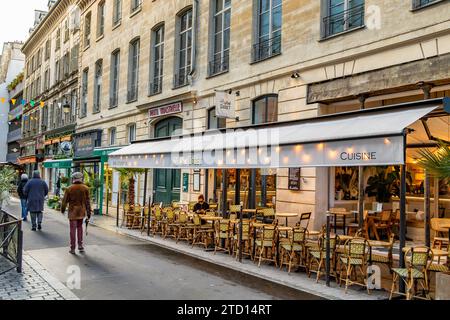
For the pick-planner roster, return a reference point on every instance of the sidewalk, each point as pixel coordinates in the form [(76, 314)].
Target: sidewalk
[(298, 281), (34, 283)]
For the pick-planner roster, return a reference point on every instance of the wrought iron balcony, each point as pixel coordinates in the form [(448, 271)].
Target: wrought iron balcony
[(417, 4), (219, 64), (155, 87), (343, 21), (180, 80), (267, 48)]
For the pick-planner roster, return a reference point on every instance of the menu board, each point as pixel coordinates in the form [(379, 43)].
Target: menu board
[(185, 182), (294, 179)]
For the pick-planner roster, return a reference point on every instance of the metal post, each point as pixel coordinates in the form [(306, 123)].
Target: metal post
[(402, 222), (237, 197), (206, 185), (149, 220), (252, 193), (224, 192), (19, 247), (427, 208), (328, 253), (118, 204), (264, 190), (240, 235), (361, 197), (145, 188)]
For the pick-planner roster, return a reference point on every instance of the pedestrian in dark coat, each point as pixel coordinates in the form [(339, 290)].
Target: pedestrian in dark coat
[(35, 191), (77, 199), (23, 199)]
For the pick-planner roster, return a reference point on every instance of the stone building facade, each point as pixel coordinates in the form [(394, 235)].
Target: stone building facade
[(148, 68)]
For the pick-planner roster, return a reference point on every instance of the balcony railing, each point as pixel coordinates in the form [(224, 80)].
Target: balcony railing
[(219, 65), (155, 87), (267, 48), (15, 135), (180, 80), (344, 21), (417, 4)]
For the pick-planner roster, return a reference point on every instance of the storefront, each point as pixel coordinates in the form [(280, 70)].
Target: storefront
[(58, 168)]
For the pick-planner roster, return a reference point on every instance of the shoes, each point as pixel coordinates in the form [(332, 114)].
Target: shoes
[(25, 220), (39, 227), (72, 251), (81, 249), (33, 229)]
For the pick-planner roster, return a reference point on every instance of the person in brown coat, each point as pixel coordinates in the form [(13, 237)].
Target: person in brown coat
[(77, 199)]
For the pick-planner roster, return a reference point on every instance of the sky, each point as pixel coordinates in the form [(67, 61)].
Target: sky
[(17, 17)]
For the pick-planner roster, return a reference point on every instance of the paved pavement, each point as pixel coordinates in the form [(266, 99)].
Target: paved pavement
[(117, 267)]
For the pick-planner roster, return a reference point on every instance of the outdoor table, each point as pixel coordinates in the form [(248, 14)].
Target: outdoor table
[(286, 215), (344, 215), (313, 233), (251, 212)]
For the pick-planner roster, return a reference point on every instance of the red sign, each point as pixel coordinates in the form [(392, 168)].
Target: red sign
[(165, 110)]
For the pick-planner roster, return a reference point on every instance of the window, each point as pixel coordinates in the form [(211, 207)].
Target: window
[(214, 122), (265, 109), (66, 65), (58, 39), (47, 49), (98, 86), (101, 19), (57, 71), (221, 37), (38, 86), (158, 61), (117, 12), (74, 58), (135, 5), (39, 58), (112, 136), (342, 15), (46, 80), (268, 29), (184, 49), (115, 71), (131, 133), (417, 4), (74, 105), (84, 93), (133, 71), (87, 30), (66, 31)]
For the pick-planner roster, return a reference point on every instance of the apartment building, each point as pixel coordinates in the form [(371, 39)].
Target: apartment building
[(51, 90), (153, 68)]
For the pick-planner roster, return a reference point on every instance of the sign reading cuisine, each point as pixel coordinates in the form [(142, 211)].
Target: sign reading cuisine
[(165, 110)]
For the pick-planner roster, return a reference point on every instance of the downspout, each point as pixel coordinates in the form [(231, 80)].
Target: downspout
[(194, 39)]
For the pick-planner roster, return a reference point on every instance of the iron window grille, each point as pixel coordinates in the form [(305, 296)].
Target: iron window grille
[(180, 80), (155, 87), (219, 64), (417, 4), (267, 49), (344, 21)]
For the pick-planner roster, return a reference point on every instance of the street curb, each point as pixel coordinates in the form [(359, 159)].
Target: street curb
[(58, 286), (305, 285)]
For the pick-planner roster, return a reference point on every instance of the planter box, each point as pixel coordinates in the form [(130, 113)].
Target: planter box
[(442, 286)]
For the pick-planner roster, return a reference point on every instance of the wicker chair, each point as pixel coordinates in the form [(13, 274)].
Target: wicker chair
[(266, 245), (295, 248), (185, 228), (181, 218), (318, 254), (201, 233), (440, 235), (384, 223), (383, 259), (157, 218), (246, 239), (167, 221), (145, 218), (354, 261), (418, 261), (223, 233)]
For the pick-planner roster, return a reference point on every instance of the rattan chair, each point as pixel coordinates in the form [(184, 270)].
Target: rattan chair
[(418, 261), (354, 262), (156, 221), (223, 234), (294, 248), (383, 259), (202, 234), (440, 239), (384, 224), (246, 239), (266, 245), (144, 219), (318, 254), (185, 228)]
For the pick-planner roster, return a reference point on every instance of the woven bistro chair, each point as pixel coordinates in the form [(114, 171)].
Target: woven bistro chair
[(418, 261), (185, 228), (266, 245), (145, 218), (385, 259), (440, 234), (168, 219), (318, 255), (383, 224), (295, 248), (246, 239), (223, 233), (137, 217), (181, 218), (191, 206), (235, 209), (156, 223), (201, 233), (354, 262), (353, 228)]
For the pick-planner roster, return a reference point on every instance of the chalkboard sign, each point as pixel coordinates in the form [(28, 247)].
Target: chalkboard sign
[(197, 181), (185, 182), (294, 179)]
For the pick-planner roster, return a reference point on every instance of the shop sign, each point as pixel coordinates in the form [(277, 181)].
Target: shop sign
[(294, 179), (66, 147), (85, 143), (225, 105), (166, 110), (27, 160)]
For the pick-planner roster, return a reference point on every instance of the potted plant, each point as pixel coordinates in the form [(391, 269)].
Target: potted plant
[(7, 176), (130, 175)]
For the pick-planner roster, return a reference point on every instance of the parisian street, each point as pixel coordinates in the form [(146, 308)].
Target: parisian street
[(116, 267)]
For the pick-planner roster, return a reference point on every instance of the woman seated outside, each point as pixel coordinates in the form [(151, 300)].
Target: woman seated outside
[(201, 206)]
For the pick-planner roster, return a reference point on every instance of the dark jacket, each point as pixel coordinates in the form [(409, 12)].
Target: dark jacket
[(35, 192), (201, 207), (77, 199), (20, 188)]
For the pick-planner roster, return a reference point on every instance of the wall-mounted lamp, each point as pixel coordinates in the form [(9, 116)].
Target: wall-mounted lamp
[(238, 93), (295, 75)]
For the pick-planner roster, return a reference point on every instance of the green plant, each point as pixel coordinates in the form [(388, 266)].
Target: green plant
[(15, 82), (7, 176), (386, 183), (347, 181), (437, 162)]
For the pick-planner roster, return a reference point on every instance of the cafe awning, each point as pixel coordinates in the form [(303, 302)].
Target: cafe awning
[(371, 137), (58, 164)]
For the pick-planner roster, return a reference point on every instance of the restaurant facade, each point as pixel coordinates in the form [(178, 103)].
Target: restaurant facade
[(164, 68)]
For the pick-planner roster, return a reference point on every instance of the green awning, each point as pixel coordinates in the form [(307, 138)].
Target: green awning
[(104, 152), (58, 164)]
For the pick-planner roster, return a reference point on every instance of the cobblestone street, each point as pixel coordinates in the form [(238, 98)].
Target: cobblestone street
[(35, 283)]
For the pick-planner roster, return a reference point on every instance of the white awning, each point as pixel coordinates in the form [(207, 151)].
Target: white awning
[(371, 137)]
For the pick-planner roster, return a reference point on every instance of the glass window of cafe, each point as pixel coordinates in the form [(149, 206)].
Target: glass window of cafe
[(265, 187)]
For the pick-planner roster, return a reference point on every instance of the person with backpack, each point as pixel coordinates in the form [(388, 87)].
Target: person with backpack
[(23, 198)]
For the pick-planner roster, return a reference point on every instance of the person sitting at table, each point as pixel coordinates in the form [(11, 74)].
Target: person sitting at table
[(201, 206)]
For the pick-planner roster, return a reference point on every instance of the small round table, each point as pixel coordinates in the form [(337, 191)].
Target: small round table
[(286, 215)]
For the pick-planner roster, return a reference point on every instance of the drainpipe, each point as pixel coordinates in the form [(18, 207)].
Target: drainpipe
[(362, 99), (194, 39)]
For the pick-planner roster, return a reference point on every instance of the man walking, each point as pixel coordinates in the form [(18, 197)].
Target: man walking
[(58, 186), (23, 199), (35, 191), (77, 199)]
